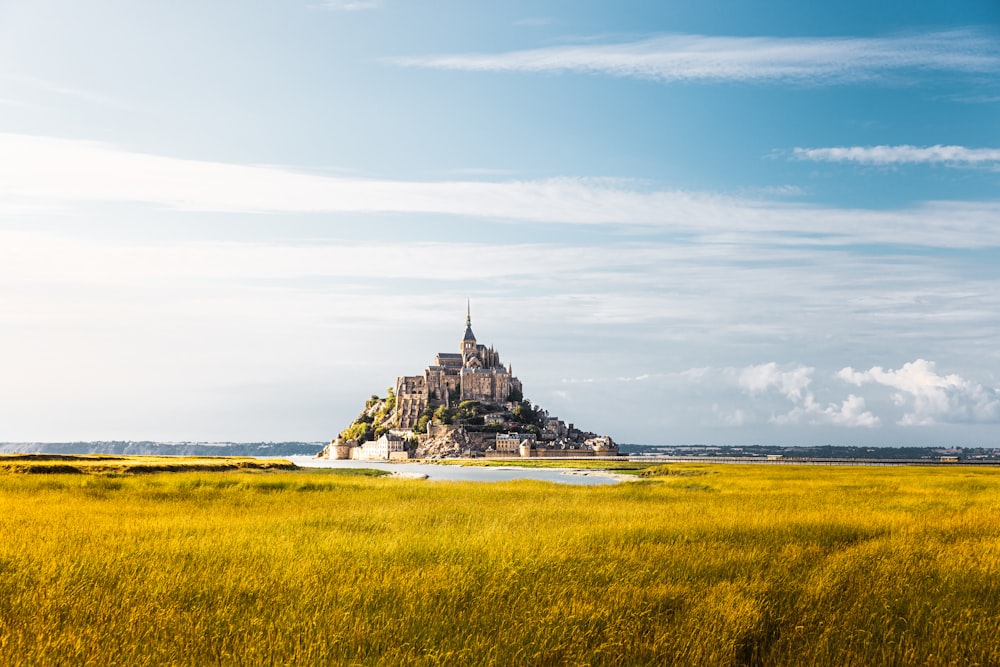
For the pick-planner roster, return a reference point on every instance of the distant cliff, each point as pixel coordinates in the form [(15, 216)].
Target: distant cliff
[(152, 448)]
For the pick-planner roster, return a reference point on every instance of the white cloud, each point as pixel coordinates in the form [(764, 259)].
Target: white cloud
[(890, 155), (534, 21), (928, 397), (780, 191), (696, 374), (773, 386), (764, 377), (54, 88), (55, 172), (812, 61), (635, 378), (851, 412), (4, 102), (794, 384), (351, 5), (735, 417)]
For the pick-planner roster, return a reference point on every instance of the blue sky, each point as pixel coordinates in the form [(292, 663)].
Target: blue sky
[(714, 222)]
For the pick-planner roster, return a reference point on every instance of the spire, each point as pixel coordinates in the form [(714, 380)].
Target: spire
[(468, 324)]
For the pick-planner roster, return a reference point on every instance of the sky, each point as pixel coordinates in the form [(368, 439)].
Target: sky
[(722, 222)]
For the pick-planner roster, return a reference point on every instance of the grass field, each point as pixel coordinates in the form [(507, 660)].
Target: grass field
[(704, 565), (104, 464)]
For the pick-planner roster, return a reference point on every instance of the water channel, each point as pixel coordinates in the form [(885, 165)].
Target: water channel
[(443, 472)]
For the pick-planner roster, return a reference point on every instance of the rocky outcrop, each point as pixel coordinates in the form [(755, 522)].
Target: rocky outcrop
[(471, 427), (443, 441)]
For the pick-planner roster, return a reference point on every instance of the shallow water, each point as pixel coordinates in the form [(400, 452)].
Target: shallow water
[(461, 473)]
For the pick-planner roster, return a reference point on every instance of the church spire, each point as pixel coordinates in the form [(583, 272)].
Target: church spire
[(469, 336)]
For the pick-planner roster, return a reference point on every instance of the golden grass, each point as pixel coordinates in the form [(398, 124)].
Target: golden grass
[(102, 464), (765, 565)]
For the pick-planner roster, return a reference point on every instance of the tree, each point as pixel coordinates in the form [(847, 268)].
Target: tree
[(523, 413), (359, 430), (421, 425), (469, 409), (444, 414)]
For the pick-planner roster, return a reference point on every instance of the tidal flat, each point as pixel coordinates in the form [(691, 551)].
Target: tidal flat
[(698, 564)]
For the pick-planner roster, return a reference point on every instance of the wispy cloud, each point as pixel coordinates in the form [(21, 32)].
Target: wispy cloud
[(905, 154), (975, 99), (55, 88), (534, 21), (806, 60), (53, 172), (16, 103), (351, 5)]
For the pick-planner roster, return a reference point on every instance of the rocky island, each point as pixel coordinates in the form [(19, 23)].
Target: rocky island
[(464, 404)]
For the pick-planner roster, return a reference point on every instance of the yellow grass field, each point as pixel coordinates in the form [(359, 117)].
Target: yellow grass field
[(46, 464), (704, 565)]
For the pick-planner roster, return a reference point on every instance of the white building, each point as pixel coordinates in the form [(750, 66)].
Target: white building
[(387, 447), (510, 443)]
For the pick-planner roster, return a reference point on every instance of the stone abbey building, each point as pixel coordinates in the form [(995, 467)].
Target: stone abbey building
[(473, 374)]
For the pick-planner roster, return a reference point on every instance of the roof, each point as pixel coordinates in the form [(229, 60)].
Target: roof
[(468, 333)]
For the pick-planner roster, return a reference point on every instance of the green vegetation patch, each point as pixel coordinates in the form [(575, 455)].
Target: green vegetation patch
[(350, 472), (672, 471), (776, 565)]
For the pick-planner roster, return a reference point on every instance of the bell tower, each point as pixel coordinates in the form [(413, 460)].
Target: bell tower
[(469, 340)]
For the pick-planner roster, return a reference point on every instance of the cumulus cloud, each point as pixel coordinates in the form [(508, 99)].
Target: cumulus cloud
[(929, 397), (852, 412), (737, 417), (791, 386), (807, 60), (891, 155), (764, 377)]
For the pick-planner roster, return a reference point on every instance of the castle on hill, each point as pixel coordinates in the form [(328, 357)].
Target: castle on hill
[(474, 373), (466, 403)]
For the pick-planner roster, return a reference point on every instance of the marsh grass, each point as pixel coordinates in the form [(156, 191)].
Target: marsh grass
[(749, 565), (675, 470), (101, 464)]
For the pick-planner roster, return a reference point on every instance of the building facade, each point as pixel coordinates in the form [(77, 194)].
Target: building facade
[(475, 373)]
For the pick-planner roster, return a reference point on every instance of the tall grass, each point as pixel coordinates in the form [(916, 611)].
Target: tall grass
[(769, 565), (104, 464)]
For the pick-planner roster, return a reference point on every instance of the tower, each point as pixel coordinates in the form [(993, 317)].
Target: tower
[(469, 340)]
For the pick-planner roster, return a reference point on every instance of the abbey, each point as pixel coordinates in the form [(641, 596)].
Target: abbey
[(474, 373), (466, 404)]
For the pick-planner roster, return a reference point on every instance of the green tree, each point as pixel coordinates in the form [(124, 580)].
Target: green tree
[(421, 425), (444, 414), (525, 414)]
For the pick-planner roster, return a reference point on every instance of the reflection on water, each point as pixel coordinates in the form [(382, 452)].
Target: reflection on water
[(460, 473)]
